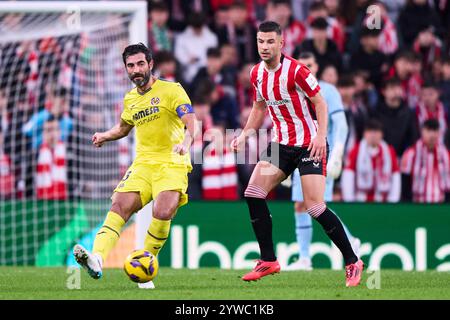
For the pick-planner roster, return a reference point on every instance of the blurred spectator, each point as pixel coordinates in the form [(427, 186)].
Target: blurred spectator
[(56, 106), (220, 178), (368, 57), (324, 49), (202, 110), (429, 47), (51, 172), (160, 37), (426, 167), (240, 32), (335, 31), (165, 66), (244, 91), (330, 74), (4, 118), (192, 44), (293, 31), (355, 113), (404, 69), (366, 95), (224, 108), (371, 173), (181, 10), (430, 107), (212, 70), (230, 68), (444, 84), (388, 40), (393, 8), (399, 123), (415, 17), (7, 178)]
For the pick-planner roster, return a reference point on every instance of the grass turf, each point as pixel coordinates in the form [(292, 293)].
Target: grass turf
[(212, 283)]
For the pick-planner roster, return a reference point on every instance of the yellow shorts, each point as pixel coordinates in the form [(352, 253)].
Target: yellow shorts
[(150, 179)]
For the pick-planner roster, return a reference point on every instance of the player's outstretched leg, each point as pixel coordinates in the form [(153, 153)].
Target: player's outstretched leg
[(335, 231), (123, 206), (105, 240), (262, 226)]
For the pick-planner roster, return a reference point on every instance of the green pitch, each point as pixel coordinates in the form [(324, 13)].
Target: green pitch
[(210, 283)]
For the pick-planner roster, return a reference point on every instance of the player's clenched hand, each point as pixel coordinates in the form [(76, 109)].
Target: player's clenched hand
[(180, 149), (98, 139), (318, 147), (237, 143)]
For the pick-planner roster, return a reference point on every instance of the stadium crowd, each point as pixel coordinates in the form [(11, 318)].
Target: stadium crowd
[(390, 61)]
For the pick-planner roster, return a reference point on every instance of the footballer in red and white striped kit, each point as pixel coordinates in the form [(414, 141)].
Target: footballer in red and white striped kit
[(299, 115)]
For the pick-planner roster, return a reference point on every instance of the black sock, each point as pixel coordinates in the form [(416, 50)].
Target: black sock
[(335, 231), (262, 226)]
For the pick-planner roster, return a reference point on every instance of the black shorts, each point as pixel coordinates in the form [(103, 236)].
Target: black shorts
[(289, 158)]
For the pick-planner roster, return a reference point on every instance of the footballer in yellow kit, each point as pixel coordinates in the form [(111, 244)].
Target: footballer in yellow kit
[(156, 116), (160, 111)]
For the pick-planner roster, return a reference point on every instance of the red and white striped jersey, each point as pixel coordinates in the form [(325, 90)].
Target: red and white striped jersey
[(51, 175), (429, 170), (286, 90)]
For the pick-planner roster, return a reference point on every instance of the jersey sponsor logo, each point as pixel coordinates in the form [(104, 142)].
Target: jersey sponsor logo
[(154, 101), (144, 113), (316, 164), (311, 81), (275, 103)]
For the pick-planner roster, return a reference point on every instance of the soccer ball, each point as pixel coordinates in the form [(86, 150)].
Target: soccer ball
[(141, 266)]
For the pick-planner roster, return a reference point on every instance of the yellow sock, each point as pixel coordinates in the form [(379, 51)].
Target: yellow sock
[(157, 234), (108, 234)]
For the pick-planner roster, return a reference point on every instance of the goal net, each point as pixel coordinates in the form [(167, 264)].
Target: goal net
[(61, 80)]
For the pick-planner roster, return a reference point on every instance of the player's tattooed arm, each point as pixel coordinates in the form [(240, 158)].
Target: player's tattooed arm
[(318, 145), (254, 122), (120, 130), (193, 130)]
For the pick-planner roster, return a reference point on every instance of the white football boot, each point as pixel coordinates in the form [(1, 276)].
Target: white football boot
[(146, 285), (302, 264), (91, 262)]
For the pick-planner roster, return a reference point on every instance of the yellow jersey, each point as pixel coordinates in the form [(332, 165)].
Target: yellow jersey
[(156, 115)]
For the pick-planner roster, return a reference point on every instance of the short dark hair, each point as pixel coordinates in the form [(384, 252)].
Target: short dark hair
[(306, 55), (373, 125), (158, 6), (346, 81), (270, 26), (391, 82), (446, 60), (405, 54), (133, 49), (429, 83), (196, 20), (282, 2), (431, 124), (317, 5), (239, 4), (213, 53), (60, 92), (368, 32), (163, 56), (319, 24)]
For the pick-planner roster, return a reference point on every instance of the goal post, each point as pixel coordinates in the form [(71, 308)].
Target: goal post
[(61, 79)]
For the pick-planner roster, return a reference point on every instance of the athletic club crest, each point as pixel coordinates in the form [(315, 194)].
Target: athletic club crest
[(155, 100)]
